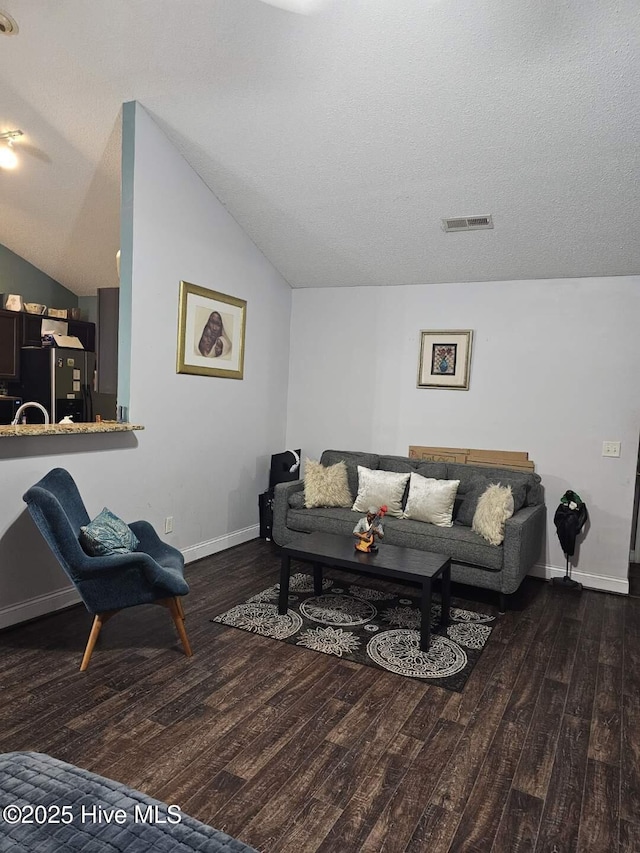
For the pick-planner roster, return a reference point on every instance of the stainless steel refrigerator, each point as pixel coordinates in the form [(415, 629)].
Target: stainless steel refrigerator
[(62, 380)]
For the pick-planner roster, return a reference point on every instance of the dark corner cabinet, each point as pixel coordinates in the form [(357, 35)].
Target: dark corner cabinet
[(19, 329), (10, 343)]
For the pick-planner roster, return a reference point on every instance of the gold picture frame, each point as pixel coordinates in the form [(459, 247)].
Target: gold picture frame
[(445, 359), (211, 331)]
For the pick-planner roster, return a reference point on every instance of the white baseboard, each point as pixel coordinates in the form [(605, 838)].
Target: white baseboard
[(38, 606), (599, 582), (221, 543), (41, 605)]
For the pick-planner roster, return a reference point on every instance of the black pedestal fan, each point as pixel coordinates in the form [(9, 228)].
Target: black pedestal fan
[(569, 520)]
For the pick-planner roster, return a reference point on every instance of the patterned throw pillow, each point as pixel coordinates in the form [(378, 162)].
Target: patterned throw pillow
[(377, 488), (495, 506), (107, 534), (431, 500), (326, 486)]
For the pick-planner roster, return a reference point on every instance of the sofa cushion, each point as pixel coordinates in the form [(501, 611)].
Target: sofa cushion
[(431, 500), (326, 485), (459, 543), (436, 470), (476, 488), (380, 488), (467, 473), (405, 465), (323, 519), (351, 459), (495, 506)]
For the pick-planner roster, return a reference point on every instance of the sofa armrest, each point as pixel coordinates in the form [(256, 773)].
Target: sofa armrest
[(523, 538), (281, 495)]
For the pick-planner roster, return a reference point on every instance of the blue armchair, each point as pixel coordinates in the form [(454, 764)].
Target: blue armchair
[(152, 574)]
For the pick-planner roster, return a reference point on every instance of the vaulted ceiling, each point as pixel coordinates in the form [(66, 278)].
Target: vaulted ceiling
[(338, 140)]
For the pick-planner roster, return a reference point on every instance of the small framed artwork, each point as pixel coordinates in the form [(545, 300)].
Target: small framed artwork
[(445, 358), (211, 328)]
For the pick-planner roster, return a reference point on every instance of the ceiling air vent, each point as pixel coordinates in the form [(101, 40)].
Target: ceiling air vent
[(467, 223)]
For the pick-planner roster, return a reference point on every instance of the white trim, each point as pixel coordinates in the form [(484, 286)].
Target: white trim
[(221, 543), (599, 582), (41, 605)]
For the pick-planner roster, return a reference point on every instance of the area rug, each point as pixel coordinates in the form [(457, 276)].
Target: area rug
[(370, 626)]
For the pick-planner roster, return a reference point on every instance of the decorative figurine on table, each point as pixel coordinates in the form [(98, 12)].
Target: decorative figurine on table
[(368, 529)]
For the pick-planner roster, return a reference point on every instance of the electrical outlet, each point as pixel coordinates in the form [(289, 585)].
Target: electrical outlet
[(168, 524), (611, 448)]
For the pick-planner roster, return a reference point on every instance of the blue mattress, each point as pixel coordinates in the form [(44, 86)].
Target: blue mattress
[(47, 805)]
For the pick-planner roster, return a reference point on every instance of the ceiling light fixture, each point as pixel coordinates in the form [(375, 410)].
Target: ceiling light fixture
[(8, 26), (8, 158)]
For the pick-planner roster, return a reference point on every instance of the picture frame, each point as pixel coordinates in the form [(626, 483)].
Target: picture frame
[(445, 359), (211, 332)]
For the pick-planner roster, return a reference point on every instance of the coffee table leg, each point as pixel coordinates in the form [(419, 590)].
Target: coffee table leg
[(317, 578), (425, 622), (445, 615), (283, 599)]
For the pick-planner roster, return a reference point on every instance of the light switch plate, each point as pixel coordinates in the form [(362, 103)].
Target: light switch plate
[(611, 448)]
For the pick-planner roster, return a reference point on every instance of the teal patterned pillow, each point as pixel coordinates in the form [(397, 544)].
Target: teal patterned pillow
[(107, 534)]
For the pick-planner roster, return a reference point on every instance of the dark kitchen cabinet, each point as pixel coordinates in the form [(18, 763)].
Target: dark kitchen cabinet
[(10, 340), (32, 325), (20, 329), (85, 332)]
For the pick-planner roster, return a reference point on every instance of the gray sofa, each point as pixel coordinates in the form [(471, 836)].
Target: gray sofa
[(474, 561)]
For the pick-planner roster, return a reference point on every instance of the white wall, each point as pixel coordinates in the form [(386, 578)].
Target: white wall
[(554, 372), (204, 455)]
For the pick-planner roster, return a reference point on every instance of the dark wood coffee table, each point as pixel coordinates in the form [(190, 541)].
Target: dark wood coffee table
[(390, 561)]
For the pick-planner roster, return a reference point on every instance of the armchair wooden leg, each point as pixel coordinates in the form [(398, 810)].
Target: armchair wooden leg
[(178, 618), (180, 608), (98, 621)]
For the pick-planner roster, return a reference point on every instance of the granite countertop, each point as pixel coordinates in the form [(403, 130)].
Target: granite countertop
[(65, 429)]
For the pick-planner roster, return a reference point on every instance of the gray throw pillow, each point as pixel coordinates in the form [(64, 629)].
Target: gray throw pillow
[(478, 487)]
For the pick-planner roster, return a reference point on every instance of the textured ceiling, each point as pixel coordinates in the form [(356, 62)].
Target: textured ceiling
[(338, 140)]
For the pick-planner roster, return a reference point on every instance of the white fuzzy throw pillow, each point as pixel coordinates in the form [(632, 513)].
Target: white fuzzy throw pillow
[(326, 486), (495, 506), (431, 500)]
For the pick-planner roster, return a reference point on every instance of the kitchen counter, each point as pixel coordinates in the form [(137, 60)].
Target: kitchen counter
[(65, 429)]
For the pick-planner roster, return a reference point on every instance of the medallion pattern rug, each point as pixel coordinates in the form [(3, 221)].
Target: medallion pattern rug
[(370, 626)]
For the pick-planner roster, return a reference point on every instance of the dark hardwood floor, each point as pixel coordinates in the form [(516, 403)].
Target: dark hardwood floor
[(294, 751)]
